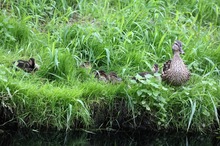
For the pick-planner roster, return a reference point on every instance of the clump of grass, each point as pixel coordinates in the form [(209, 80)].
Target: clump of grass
[(13, 32)]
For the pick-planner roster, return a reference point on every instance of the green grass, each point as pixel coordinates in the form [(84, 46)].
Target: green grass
[(122, 36)]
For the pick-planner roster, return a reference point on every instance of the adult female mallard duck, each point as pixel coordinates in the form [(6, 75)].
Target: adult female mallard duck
[(175, 71), (27, 66)]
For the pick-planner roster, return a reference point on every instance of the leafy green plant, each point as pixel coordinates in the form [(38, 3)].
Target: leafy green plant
[(151, 97)]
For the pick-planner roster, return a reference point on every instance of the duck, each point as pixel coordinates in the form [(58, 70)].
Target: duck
[(101, 75), (174, 71), (28, 66), (86, 65), (155, 69), (113, 77)]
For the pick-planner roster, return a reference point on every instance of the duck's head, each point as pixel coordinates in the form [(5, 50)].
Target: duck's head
[(86, 65), (33, 64), (155, 68), (177, 47)]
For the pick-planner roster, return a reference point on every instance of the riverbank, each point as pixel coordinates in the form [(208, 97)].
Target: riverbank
[(124, 37), (118, 107)]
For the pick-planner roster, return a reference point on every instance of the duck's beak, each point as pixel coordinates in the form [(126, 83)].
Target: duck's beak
[(119, 79), (37, 67)]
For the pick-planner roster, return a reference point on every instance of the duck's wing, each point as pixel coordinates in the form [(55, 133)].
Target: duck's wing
[(189, 73), (21, 64), (166, 66), (113, 77)]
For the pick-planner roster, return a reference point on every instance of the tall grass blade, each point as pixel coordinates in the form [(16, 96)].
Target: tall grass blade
[(108, 57), (69, 114), (193, 109), (215, 109)]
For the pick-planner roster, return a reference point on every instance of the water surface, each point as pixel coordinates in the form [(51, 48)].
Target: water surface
[(34, 138)]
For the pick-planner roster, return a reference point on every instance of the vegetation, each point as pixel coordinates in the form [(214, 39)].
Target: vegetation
[(126, 37)]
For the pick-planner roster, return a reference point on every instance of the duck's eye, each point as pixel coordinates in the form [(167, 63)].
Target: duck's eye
[(178, 45)]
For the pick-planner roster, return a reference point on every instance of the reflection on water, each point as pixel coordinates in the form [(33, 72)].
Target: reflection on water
[(104, 139)]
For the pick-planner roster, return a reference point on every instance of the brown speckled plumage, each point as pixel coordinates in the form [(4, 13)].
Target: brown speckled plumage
[(101, 75), (113, 77), (175, 71)]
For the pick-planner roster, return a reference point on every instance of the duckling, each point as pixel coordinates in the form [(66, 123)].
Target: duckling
[(86, 65), (101, 75), (143, 74), (27, 66), (175, 72), (154, 70), (113, 77)]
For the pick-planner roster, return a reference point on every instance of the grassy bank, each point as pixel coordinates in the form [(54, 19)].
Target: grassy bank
[(122, 36)]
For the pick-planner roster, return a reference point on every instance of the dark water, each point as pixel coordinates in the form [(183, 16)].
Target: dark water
[(31, 138)]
